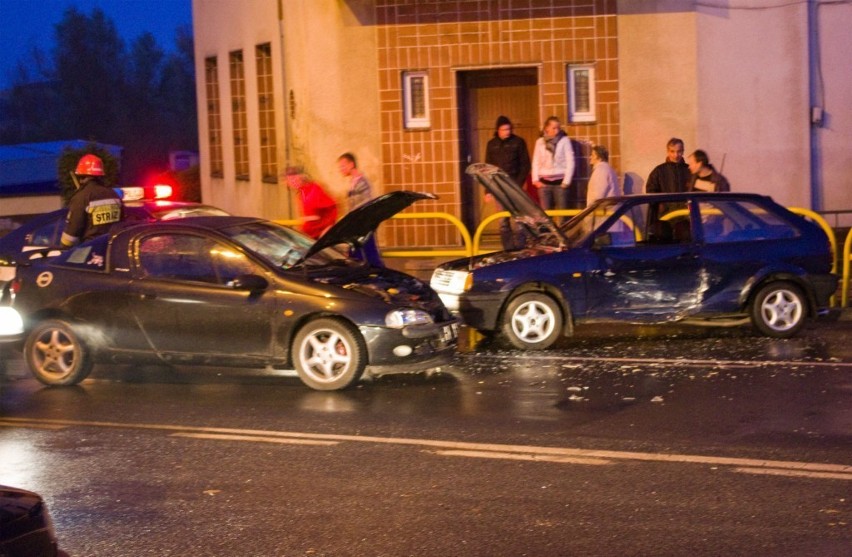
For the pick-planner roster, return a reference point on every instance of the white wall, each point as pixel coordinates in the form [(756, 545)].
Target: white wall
[(734, 80), (326, 94), (657, 74), (753, 100), (834, 29), (220, 28), (332, 71)]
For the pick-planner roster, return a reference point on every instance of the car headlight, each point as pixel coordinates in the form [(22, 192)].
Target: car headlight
[(400, 318), (10, 322), (451, 282)]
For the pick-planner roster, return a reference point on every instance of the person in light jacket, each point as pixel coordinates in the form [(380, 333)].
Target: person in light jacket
[(553, 165), (604, 180)]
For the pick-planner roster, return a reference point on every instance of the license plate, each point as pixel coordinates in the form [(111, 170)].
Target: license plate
[(450, 332)]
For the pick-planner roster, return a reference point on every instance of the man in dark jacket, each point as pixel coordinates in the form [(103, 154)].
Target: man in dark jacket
[(672, 175), (508, 152), (704, 176), (93, 208)]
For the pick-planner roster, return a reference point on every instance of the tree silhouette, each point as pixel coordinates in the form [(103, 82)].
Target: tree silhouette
[(92, 87)]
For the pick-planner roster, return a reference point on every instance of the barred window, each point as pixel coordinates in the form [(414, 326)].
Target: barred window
[(266, 114), (240, 118), (214, 115), (581, 93)]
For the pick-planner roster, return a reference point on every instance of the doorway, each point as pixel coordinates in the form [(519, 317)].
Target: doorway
[(483, 95)]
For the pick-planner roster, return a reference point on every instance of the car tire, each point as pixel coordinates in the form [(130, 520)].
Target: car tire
[(779, 309), (329, 354), (532, 321), (56, 355)]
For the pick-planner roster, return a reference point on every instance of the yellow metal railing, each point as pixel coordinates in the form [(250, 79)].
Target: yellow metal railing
[(466, 252)]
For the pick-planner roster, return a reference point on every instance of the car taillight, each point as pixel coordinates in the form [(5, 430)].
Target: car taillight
[(15, 285)]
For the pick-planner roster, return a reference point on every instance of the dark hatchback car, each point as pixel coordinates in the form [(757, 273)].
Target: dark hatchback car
[(699, 258), (43, 232), (232, 291), (26, 528)]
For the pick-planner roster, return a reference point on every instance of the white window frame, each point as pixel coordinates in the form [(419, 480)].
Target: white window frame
[(575, 115), (421, 119)]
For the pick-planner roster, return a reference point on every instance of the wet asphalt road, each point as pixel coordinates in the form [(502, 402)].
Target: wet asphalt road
[(623, 440)]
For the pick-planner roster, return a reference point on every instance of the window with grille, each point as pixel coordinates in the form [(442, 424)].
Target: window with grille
[(214, 115), (581, 93), (238, 112), (266, 114), (415, 90)]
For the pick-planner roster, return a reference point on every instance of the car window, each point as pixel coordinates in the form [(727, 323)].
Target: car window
[(738, 221), (48, 234), (651, 223), (191, 258), (579, 228)]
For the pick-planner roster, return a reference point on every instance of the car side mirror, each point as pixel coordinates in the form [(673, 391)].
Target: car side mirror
[(252, 283)]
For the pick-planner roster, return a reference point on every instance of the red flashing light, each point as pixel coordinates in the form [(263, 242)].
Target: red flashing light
[(162, 191)]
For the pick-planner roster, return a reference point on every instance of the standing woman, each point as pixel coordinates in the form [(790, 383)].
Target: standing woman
[(553, 165), (604, 180)]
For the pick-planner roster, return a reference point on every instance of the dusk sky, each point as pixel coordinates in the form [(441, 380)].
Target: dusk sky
[(28, 23)]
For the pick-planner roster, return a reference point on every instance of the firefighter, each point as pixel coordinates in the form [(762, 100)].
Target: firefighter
[(93, 208)]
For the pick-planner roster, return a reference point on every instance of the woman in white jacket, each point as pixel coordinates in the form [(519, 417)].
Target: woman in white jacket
[(552, 165)]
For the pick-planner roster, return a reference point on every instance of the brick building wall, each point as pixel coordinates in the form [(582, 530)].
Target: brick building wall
[(445, 36)]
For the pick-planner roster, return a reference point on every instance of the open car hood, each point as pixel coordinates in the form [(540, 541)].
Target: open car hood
[(524, 210), (356, 225)]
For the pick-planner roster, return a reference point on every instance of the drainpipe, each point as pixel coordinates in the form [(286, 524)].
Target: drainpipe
[(285, 101), (816, 98)]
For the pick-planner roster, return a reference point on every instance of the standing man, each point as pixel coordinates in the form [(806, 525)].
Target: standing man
[(553, 165), (360, 191), (508, 152), (319, 211), (604, 180), (93, 208), (672, 175), (704, 176)]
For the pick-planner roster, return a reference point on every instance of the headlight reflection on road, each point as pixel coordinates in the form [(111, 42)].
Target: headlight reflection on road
[(19, 466)]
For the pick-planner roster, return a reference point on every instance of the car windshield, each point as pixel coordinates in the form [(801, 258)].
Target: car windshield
[(578, 229), (278, 245)]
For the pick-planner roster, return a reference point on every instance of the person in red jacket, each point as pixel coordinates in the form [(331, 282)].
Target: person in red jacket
[(319, 210)]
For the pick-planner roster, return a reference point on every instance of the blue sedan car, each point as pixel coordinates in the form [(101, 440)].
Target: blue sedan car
[(699, 258)]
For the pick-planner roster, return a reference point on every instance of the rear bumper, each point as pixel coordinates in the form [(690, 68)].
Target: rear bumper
[(825, 286)]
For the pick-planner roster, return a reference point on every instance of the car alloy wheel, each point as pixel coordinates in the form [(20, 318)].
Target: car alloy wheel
[(329, 354), (532, 321), (56, 355), (779, 310)]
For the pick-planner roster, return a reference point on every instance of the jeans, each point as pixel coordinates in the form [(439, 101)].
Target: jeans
[(552, 196)]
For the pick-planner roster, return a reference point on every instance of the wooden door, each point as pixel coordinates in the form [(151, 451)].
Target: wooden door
[(485, 95)]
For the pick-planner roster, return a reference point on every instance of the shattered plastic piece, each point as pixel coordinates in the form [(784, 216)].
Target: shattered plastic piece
[(657, 399)]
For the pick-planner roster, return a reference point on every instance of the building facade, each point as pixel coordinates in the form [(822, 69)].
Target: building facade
[(413, 89)]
